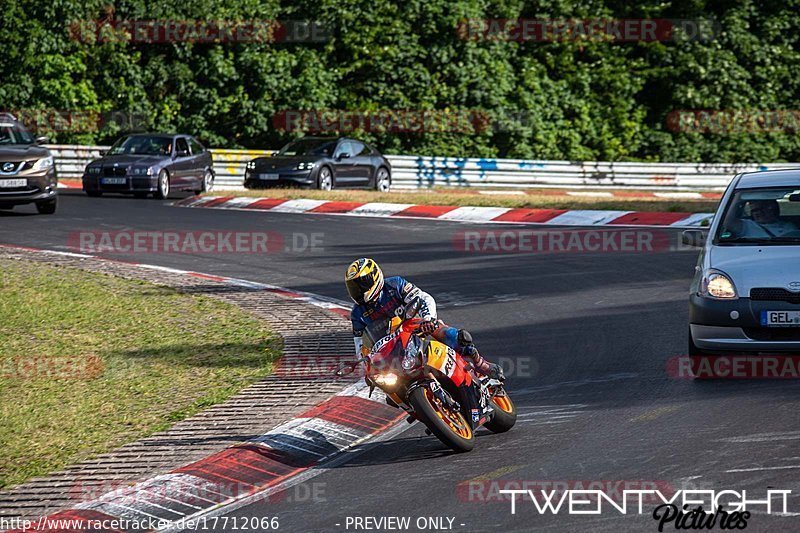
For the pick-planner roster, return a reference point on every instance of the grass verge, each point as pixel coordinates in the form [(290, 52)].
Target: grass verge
[(89, 362), (534, 200)]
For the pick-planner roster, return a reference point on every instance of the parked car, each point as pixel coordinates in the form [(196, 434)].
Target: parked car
[(321, 162), (745, 295), (155, 163), (27, 169)]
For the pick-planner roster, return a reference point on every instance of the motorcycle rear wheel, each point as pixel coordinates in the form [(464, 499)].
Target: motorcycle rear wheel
[(454, 431), (504, 417)]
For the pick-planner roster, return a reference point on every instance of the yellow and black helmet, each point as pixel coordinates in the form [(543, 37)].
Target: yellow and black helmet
[(364, 280)]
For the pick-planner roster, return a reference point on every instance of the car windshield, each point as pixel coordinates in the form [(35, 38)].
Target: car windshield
[(143, 145), (14, 133), (762, 216), (309, 147)]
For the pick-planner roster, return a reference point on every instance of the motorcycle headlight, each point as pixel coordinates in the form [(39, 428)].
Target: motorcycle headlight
[(306, 165), (718, 285), (93, 170), (411, 358), (386, 380), (44, 163)]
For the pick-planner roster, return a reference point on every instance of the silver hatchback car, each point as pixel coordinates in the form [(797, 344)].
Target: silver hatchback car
[(745, 296)]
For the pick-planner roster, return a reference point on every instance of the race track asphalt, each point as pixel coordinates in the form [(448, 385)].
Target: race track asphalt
[(584, 338)]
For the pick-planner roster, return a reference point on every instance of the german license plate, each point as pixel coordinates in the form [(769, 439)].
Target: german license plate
[(9, 184), (113, 181), (780, 319), (268, 176)]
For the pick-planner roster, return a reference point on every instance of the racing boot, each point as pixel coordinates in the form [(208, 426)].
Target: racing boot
[(482, 366)]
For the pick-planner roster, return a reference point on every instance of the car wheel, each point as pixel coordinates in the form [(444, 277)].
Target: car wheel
[(383, 180), (163, 185), (208, 182), (325, 179), (94, 194), (48, 207)]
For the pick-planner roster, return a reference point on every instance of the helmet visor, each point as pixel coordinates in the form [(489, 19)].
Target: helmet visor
[(358, 287)]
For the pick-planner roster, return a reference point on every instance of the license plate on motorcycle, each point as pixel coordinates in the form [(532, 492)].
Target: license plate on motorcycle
[(268, 176), (10, 184), (780, 319), (113, 181)]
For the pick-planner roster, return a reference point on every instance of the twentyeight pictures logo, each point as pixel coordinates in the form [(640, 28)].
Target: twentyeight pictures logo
[(683, 509)]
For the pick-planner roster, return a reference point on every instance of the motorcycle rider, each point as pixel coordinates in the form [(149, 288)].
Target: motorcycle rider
[(378, 300)]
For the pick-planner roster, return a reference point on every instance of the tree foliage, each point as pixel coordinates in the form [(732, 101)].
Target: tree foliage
[(574, 99)]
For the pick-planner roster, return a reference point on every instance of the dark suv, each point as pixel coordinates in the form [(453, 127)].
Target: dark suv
[(148, 163), (27, 170)]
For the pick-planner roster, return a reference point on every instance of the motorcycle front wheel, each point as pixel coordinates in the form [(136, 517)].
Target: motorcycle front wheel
[(450, 428)]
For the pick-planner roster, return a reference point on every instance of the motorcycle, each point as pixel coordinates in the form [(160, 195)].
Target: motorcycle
[(434, 385)]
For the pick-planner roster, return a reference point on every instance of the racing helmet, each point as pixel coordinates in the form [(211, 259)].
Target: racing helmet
[(364, 280)]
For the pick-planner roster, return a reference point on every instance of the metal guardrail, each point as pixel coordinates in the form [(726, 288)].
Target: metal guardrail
[(415, 172), (410, 172)]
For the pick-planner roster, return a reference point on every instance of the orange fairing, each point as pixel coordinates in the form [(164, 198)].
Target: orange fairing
[(395, 323), (448, 362)]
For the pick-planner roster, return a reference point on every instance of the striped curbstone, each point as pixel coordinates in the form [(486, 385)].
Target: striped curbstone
[(255, 457), (191, 491), (503, 215)]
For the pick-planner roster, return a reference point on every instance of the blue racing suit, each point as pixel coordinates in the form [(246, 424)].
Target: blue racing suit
[(373, 319)]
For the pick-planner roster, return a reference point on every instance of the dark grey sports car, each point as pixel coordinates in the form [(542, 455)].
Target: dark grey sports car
[(151, 163), (322, 163)]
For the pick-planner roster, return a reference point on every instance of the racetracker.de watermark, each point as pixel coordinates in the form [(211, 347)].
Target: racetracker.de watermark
[(764, 366), (496, 490), (588, 30), (416, 121), (733, 121), (76, 120), (565, 241), (164, 31), (315, 367), (194, 242), (27, 367), (310, 492)]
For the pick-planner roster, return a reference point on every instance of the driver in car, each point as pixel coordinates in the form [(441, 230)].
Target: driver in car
[(765, 221), (378, 300)]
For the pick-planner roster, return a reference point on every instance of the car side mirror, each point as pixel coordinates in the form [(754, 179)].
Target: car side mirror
[(182, 153), (694, 238), (42, 140), (102, 153), (343, 155)]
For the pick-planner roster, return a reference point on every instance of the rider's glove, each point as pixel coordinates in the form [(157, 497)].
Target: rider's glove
[(428, 326), (496, 372)]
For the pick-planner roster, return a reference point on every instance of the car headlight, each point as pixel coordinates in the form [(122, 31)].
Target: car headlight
[(386, 380), (142, 171), (44, 163), (251, 165), (93, 170), (718, 285), (305, 165)]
